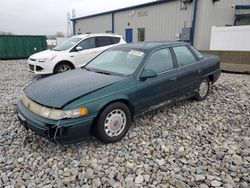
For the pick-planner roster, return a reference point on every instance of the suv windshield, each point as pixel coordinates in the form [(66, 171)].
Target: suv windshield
[(67, 44), (122, 62)]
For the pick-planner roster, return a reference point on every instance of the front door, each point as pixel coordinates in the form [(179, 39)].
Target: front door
[(154, 91), (129, 35), (87, 53)]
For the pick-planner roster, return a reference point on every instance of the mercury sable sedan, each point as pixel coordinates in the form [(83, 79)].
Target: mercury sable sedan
[(103, 97)]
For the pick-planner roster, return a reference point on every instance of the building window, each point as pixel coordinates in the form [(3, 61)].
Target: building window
[(141, 34)]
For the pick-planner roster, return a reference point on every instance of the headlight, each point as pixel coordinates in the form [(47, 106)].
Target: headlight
[(41, 60), (51, 113)]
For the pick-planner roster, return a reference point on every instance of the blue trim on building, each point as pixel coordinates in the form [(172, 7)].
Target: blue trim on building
[(242, 7), (123, 9), (113, 22), (195, 4), (74, 28)]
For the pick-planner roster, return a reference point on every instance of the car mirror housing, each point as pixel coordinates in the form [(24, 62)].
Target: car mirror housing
[(79, 48), (147, 74)]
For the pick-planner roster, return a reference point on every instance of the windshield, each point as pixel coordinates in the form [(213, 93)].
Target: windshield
[(122, 62), (67, 44)]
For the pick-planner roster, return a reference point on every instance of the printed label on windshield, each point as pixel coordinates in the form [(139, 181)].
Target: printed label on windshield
[(137, 53)]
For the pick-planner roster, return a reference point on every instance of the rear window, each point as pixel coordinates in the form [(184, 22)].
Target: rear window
[(200, 55), (115, 40)]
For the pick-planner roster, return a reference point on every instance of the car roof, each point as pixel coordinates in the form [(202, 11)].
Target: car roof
[(96, 35), (149, 46)]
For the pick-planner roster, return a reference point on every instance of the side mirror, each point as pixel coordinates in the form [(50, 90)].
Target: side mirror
[(147, 74), (79, 48)]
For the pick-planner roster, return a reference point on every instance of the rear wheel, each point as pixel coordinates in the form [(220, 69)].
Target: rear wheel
[(203, 90), (62, 67), (113, 122)]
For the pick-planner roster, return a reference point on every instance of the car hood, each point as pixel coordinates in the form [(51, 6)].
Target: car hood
[(56, 91), (44, 54)]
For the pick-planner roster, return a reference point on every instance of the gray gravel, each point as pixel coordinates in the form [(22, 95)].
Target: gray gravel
[(189, 144)]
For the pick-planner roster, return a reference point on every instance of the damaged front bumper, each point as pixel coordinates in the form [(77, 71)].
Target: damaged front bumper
[(63, 131)]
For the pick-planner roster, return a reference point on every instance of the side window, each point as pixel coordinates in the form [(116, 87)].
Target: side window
[(184, 56), (103, 41), (87, 43), (199, 54), (115, 40), (160, 61)]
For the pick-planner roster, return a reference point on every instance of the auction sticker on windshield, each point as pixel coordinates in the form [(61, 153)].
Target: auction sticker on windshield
[(137, 53)]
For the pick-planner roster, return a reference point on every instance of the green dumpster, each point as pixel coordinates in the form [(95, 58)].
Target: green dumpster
[(21, 46)]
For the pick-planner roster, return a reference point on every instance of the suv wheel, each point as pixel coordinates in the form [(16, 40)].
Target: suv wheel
[(62, 67)]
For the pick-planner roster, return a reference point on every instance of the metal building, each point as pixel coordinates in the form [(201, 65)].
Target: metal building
[(186, 20)]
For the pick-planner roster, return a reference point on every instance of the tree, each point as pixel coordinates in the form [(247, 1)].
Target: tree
[(60, 34), (5, 33)]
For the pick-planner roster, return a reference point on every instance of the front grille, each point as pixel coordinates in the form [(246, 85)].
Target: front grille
[(31, 67), (32, 59)]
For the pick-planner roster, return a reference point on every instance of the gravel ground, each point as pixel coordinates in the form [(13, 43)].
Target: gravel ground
[(188, 144)]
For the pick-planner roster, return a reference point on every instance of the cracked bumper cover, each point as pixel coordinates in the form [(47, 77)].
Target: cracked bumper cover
[(64, 131)]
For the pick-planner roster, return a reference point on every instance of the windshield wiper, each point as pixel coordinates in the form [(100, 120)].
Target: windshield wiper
[(86, 68), (102, 72)]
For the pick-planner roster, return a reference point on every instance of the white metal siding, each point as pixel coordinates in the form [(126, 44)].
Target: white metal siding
[(162, 22), (213, 14), (98, 24)]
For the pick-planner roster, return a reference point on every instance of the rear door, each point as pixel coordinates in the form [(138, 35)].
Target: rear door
[(189, 70), (153, 91)]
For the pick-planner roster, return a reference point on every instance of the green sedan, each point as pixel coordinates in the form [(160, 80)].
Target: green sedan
[(103, 97)]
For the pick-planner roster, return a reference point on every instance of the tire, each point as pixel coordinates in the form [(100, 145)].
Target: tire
[(113, 123), (203, 89), (62, 67)]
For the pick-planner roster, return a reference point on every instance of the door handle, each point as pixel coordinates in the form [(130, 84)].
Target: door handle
[(199, 71)]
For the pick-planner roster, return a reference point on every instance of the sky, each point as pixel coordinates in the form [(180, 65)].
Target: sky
[(46, 17)]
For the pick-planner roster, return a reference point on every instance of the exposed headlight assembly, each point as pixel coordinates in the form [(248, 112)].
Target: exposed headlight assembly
[(51, 113)]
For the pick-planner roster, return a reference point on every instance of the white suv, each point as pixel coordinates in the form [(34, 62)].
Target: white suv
[(72, 53)]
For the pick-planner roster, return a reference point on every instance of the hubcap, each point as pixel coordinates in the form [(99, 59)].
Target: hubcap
[(203, 88), (115, 123), (64, 68)]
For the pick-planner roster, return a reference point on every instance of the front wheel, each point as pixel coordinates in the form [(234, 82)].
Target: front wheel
[(62, 67), (113, 122), (203, 90)]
